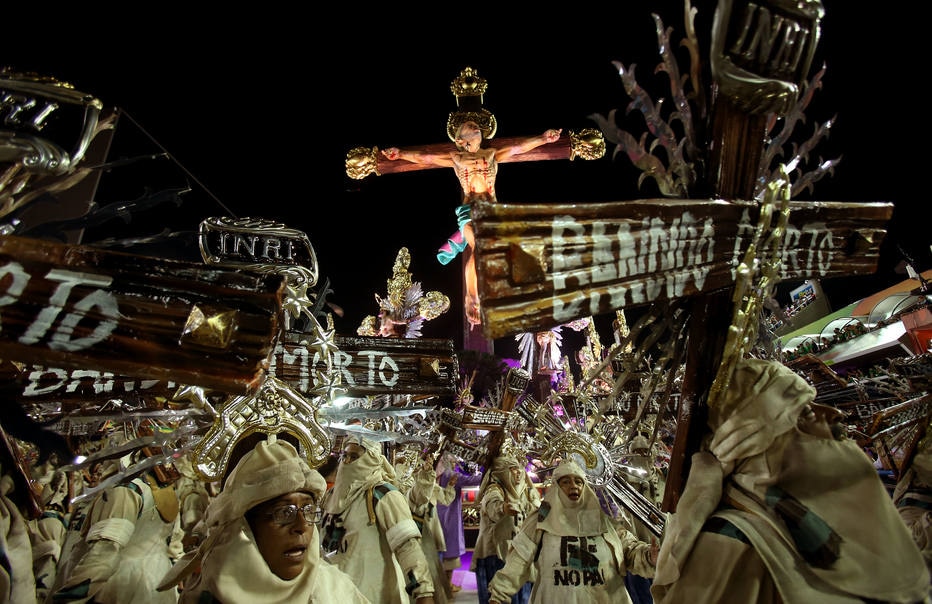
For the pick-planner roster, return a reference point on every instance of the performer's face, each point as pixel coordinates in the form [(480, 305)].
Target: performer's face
[(351, 453), (284, 530), (572, 486)]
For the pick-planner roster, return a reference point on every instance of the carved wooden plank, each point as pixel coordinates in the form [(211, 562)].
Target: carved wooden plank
[(79, 307), (368, 366), (372, 366), (75, 388), (542, 265)]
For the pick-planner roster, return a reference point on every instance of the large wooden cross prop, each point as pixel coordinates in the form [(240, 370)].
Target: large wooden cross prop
[(542, 265), (546, 264), (90, 326)]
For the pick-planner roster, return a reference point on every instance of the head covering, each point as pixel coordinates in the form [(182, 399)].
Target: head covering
[(270, 470), (354, 478), (273, 468), (500, 473), (639, 443), (762, 404), (760, 459), (569, 518)]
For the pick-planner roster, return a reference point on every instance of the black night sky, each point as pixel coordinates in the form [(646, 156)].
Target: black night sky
[(257, 112)]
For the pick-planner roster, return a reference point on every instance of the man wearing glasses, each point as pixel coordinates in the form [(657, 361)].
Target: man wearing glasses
[(262, 543)]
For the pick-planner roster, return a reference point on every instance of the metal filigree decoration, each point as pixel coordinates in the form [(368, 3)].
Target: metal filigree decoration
[(361, 162), (469, 88), (675, 175), (588, 144), (273, 409), (264, 246), (800, 154), (406, 307), (35, 109), (741, 75), (668, 151), (757, 278)]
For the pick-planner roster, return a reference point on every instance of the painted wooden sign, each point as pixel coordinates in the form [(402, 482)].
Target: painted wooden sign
[(367, 366), (372, 366), (80, 307), (542, 265)]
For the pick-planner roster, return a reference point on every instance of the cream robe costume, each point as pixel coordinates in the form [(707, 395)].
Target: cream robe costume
[(496, 528), (127, 547), (574, 550), (777, 510), (383, 554), (423, 497), (17, 583), (47, 532), (232, 568), (913, 498)]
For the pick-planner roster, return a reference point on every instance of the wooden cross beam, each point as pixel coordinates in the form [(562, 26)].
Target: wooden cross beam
[(362, 162), (543, 265), (368, 367)]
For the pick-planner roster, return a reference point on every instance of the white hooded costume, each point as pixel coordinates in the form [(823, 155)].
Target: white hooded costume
[(573, 549), (369, 533), (777, 510), (232, 569)]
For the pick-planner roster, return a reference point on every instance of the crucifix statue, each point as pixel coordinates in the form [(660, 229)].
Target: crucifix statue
[(475, 161)]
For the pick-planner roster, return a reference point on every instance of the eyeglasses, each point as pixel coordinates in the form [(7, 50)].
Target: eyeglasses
[(286, 514)]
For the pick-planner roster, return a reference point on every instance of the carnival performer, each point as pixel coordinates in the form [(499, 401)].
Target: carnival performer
[(130, 539), (261, 542), (506, 498), (913, 497), (368, 530), (424, 496), (47, 532), (572, 548), (451, 516), (779, 507), (17, 582)]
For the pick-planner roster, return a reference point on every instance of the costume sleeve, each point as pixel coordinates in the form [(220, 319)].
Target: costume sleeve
[(16, 574), (110, 523), (176, 541), (421, 491), (637, 554), (518, 563), (445, 495), (493, 503), (533, 497), (469, 480), (404, 538)]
